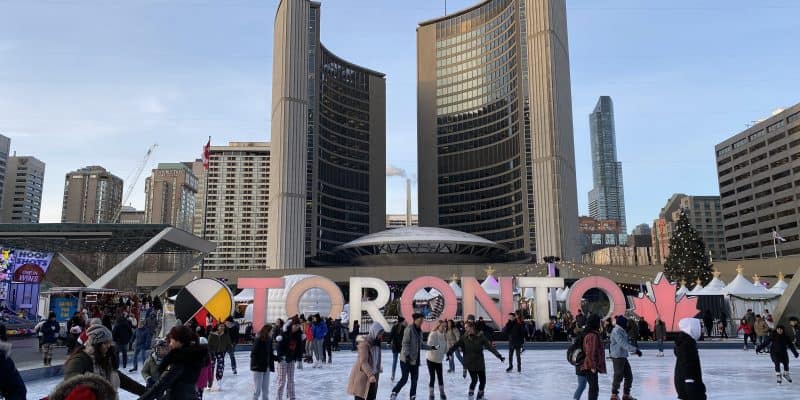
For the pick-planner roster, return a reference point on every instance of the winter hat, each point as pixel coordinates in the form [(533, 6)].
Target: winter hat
[(691, 327), (593, 322), (98, 334), (622, 321), (85, 334), (85, 386), (81, 392)]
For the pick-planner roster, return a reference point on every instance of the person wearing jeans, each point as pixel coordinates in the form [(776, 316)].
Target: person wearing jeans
[(515, 330), (396, 342), (318, 330), (594, 362), (474, 343), (233, 331), (620, 348), (262, 362), (141, 345), (409, 357)]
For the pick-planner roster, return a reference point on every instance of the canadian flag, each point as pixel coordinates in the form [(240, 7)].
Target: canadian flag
[(207, 154), (776, 236)]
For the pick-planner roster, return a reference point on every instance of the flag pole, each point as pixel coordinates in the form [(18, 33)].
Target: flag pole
[(206, 168)]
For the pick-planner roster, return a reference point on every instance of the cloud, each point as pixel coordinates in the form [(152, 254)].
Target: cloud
[(152, 105), (391, 170)]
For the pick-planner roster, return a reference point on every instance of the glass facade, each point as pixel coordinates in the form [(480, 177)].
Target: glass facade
[(481, 159), (607, 198)]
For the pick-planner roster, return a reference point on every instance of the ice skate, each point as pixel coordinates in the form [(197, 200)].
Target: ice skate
[(393, 396), (471, 395), (778, 377), (787, 376), (628, 397), (441, 393), (430, 394), (509, 369), (480, 396), (614, 397)]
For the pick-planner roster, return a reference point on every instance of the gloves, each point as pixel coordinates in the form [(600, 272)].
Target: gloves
[(278, 338), (638, 352), (502, 359)]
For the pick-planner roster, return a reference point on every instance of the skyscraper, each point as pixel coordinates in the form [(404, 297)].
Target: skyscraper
[(170, 196), (607, 197), (92, 195), (5, 148), (22, 194), (327, 172), (495, 146)]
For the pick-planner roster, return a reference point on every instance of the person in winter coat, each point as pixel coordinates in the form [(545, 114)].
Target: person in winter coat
[(580, 320), (49, 331), (365, 374), (452, 334), (660, 335), (515, 330), (688, 374), (747, 330), (779, 346), (473, 343), (594, 362), (84, 386), (98, 356), (123, 332), (262, 362), (396, 342), (150, 368), (219, 343), (437, 344), (793, 330), (141, 345), (410, 357), (206, 377), (762, 330), (12, 387), (233, 331), (180, 368), (354, 334), (327, 342), (708, 322), (620, 347), (318, 331), (290, 349)]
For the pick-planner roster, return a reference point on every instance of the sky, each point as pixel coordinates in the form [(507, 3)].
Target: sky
[(98, 82)]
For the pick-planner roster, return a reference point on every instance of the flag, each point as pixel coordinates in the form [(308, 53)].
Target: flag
[(776, 236), (207, 154)]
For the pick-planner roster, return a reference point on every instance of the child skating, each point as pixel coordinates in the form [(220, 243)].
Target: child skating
[(779, 345)]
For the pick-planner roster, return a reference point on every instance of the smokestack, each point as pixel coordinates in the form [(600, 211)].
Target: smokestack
[(408, 202)]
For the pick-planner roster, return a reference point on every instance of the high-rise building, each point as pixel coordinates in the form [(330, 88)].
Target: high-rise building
[(705, 215), (401, 220), (92, 195), (494, 122), (199, 171), (170, 196), (130, 215), (22, 194), (607, 197), (759, 177), (327, 183), (237, 205), (5, 148)]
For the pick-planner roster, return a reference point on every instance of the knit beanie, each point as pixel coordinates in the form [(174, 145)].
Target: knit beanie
[(622, 322), (85, 334), (97, 334)]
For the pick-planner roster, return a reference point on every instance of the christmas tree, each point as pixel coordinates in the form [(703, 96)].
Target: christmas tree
[(687, 254)]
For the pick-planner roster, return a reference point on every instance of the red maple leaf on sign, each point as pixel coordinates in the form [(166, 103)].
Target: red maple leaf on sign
[(665, 305)]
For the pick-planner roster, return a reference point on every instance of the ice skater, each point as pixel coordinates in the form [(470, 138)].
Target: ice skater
[(660, 334), (515, 330), (219, 344), (473, 343), (594, 361), (452, 334), (318, 331), (779, 344), (747, 330), (290, 350), (365, 374), (396, 341), (262, 362), (409, 357), (620, 348), (437, 344), (688, 374)]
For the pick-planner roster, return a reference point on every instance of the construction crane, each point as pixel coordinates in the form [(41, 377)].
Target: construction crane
[(134, 179)]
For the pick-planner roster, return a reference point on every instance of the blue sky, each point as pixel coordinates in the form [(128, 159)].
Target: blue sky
[(97, 82)]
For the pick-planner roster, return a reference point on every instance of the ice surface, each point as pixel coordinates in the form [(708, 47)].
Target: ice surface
[(546, 375)]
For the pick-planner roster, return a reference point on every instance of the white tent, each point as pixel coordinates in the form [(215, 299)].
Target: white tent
[(682, 291), (562, 294), (714, 288), (696, 290), (433, 293), (422, 295), (245, 296), (744, 295), (457, 289), (491, 286), (779, 286)]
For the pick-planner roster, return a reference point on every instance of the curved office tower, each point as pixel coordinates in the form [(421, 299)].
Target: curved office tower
[(492, 138), (327, 167)]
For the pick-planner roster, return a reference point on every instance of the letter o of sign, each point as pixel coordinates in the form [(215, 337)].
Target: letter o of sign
[(615, 296), (407, 300), (333, 291)]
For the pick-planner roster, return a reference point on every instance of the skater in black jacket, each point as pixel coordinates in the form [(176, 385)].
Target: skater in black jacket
[(688, 374), (779, 346)]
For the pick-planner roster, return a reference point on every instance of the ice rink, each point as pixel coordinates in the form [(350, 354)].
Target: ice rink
[(546, 375)]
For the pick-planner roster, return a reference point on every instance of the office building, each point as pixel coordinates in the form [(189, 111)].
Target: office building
[(759, 177), (401, 220), (170, 196), (607, 197), (22, 192), (5, 148), (92, 195), (237, 205), (327, 183), (705, 215), (130, 215), (494, 120), (599, 233), (199, 198)]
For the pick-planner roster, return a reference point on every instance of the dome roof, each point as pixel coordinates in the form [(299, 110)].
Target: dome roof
[(420, 245), (419, 234)]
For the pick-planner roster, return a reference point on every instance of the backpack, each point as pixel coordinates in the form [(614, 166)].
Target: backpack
[(575, 354)]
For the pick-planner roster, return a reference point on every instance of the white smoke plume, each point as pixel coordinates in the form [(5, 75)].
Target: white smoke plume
[(391, 170)]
